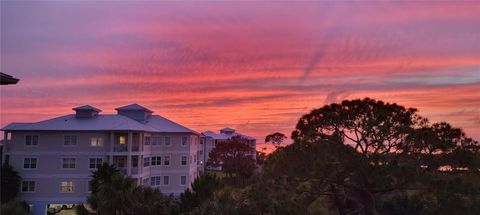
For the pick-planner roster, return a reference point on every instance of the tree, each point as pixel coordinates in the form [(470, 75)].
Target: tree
[(260, 157), (276, 139), (202, 190), (115, 194), (103, 175), (14, 207), (234, 155), (360, 156), (116, 197), (10, 183)]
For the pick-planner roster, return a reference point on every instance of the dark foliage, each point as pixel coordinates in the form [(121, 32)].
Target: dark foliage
[(10, 183)]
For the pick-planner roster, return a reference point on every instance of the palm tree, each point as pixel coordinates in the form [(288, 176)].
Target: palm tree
[(103, 175), (116, 197)]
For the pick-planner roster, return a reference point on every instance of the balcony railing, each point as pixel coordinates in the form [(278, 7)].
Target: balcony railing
[(120, 148)]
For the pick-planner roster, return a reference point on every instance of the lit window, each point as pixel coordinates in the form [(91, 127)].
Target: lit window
[(68, 163), (28, 186), (70, 140), (146, 162), (122, 140), (29, 163), (95, 163), (167, 141), (66, 186), (166, 162), (184, 141), (31, 140), (155, 180), (147, 140), (184, 160), (96, 141), (183, 180), (166, 180)]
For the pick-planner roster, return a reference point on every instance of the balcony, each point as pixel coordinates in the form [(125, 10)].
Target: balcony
[(120, 148)]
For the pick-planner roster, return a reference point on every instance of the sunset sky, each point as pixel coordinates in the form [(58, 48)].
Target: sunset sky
[(253, 66)]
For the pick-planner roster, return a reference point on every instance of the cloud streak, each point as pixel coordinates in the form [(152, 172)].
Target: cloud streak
[(252, 65)]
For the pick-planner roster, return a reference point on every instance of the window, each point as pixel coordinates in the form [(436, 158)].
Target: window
[(146, 162), (31, 140), (201, 152), (146, 181), (156, 161), (29, 163), (70, 140), (167, 141), (184, 160), (28, 186), (95, 163), (166, 162), (194, 158), (183, 180), (122, 140), (68, 163), (147, 140), (156, 140), (96, 141), (184, 141), (155, 180), (66, 186), (166, 180)]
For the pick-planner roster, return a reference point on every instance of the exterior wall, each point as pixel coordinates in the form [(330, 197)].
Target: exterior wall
[(50, 151), (175, 169)]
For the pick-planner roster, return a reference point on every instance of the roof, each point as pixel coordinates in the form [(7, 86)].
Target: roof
[(7, 79), (223, 136), (102, 122), (87, 107), (165, 125), (134, 106)]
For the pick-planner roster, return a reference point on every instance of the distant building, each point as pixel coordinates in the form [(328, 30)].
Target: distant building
[(210, 139), (7, 79), (55, 157)]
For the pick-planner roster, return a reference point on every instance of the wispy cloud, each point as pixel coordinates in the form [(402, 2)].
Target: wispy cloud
[(251, 65)]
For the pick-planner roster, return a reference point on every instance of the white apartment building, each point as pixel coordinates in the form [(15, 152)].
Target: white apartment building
[(55, 157), (210, 139)]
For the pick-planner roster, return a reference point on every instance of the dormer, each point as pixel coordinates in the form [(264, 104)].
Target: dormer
[(228, 131), (86, 111), (135, 111)]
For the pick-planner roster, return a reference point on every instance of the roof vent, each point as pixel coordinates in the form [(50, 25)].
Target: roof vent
[(86, 111), (228, 131), (135, 111)]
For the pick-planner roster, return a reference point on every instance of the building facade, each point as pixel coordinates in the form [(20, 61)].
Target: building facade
[(210, 139), (56, 157)]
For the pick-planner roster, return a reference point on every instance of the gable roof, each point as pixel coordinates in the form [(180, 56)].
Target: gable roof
[(87, 107), (134, 106)]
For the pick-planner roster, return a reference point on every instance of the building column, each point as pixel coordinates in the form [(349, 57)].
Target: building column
[(110, 158), (6, 146), (129, 153)]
